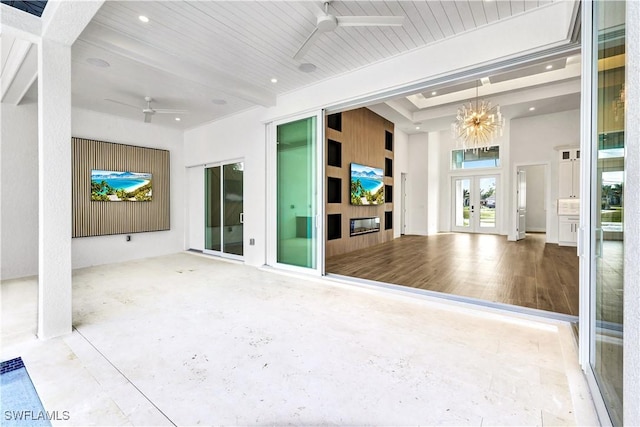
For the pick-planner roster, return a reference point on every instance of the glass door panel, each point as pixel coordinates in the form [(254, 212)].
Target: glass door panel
[(212, 236), (297, 193), (233, 208), (462, 204), (487, 188), (224, 209), (608, 205), (474, 204)]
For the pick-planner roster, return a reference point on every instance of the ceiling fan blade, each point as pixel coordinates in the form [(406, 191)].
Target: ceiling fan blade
[(307, 44), (169, 111), (364, 21), (147, 117), (123, 103)]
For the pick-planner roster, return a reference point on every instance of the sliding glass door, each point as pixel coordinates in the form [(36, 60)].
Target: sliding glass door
[(296, 238), (607, 204), (224, 215)]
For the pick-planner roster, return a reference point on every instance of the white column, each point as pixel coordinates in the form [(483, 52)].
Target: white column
[(54, 167)]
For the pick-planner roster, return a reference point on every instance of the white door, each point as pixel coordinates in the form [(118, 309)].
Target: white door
[(475, 204), (521, 197)]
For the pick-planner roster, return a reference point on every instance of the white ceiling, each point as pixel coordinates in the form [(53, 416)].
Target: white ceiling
[(215, 58), (193, 52)]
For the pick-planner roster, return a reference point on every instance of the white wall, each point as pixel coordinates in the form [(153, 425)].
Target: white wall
[(87, 251), (400, 166), (19, 191), (417, 185), (532, 142), (435, 182), (536, 218)]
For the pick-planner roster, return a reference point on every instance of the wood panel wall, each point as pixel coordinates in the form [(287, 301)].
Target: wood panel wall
[(363, 141), (96, 218)]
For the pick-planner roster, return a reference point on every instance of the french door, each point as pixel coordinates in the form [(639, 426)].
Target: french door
[(475, 204), (224, 216), (295, 230)]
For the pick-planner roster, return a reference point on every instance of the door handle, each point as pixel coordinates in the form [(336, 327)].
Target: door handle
[(599, 245), (241, 217)]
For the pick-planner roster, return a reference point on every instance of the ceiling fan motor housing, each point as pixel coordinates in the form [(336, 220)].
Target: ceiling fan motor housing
[(326, 23)]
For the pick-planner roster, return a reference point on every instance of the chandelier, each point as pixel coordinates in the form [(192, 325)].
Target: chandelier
[(477, 128)]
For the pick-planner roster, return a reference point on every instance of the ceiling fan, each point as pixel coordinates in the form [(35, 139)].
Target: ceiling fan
[(329, 22), (148, 110)]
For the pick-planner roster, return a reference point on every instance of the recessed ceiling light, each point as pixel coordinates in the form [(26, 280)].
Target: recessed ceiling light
[(548, 67), (417, 127), (97, 62), (532, 108), (274, 80), (178, 119), (219, 101), (307, 67), (434, 93), (143, 18)]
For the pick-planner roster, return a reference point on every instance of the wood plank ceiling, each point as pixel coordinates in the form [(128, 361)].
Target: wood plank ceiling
[(191, 53)]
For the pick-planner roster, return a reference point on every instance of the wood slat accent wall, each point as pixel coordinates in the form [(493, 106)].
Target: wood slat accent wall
[(94, 218), (363, 141)]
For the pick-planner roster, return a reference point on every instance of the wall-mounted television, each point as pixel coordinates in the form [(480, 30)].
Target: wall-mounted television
[(367, 185), (120, 186)]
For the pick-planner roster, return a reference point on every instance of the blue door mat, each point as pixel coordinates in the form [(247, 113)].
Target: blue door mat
[(19, 400)]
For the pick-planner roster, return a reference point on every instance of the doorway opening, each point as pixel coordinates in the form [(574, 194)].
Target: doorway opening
[(458, 214)]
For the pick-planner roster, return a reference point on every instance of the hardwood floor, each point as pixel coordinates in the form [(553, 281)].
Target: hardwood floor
[(527, 273)]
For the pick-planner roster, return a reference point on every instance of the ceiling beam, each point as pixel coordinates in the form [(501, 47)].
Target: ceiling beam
[(21, 76), (20, 24), (64, 20)]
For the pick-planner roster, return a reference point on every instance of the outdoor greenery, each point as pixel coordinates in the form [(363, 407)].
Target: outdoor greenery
[(100, 191)]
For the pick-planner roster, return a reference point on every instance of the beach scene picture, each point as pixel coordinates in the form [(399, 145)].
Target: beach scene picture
[(367, 186), (117, 186)]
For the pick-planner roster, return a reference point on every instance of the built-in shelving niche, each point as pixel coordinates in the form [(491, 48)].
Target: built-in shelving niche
[(388, 194), (334, 121), (388, 220), (388, 140), (334, 153), (334, 190), (334, 226), (388, 167)]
